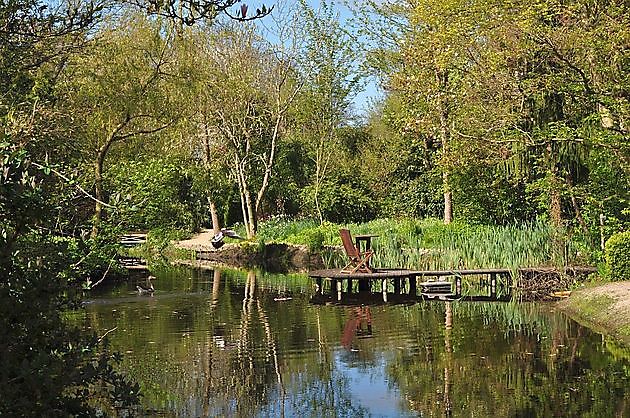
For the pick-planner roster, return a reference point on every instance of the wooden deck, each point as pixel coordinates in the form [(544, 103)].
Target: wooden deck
[(336, 274), (406, 286), (433, 284)]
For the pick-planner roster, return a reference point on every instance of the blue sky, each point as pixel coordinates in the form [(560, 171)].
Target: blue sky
[(363, 100)]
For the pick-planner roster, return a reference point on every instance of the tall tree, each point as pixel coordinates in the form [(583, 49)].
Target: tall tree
[(118, 86), (329, 65), (252, 91), (431, 71)]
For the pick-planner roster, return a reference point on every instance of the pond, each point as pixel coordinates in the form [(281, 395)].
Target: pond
[(232, 343)]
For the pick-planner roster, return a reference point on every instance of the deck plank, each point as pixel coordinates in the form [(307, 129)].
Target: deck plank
[(336, 274)]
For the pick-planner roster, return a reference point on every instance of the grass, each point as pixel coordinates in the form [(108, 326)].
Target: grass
[(430, 245)]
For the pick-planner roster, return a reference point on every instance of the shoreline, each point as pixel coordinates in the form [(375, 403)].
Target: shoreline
[(605, 308)]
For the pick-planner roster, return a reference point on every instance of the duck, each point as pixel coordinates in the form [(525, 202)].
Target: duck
[(145, 290), (148, 290), (217, 240)]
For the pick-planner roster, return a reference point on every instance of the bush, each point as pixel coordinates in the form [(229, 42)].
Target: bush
[(159, 195), (618, 256), (340, 202), (50, 367)]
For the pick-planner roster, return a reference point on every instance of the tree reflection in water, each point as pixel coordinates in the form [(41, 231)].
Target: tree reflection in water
[(220, 345)]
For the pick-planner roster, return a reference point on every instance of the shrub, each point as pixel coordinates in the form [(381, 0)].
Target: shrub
[(159, 195), (618, 256), (341, 202)]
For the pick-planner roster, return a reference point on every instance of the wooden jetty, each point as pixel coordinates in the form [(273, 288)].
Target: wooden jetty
[(407, 282), (132, 240), (437, 284), (133, 263)]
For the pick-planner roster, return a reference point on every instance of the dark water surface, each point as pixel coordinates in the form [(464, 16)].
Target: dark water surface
[(229, 343)]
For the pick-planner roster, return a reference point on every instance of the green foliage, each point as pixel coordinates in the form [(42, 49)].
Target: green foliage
[(48, 367), (155, 193), (618, 256), (341, 202), (91, 259), (301, 232)]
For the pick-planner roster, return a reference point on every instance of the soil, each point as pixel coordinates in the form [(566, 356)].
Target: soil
[(606, 308), (273, 257)]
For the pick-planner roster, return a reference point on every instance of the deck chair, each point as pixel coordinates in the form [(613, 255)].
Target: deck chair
[(359, 262)]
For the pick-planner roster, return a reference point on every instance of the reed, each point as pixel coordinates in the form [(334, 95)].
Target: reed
[(428, 244)]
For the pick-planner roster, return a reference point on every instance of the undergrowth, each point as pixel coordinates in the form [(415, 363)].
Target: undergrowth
[(428, 244)]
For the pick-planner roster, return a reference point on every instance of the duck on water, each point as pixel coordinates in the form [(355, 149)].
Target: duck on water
[(148, 289)]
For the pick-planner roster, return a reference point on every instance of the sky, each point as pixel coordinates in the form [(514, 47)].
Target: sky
[(363, 101)]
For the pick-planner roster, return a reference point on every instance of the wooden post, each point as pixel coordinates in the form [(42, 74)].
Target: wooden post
[(339, 285), (493, 285), (384, 289), (413, 290), (318, 283), (458, 286)]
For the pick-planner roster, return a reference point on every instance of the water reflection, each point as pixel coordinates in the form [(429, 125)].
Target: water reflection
[(211, 343), (359, 323)]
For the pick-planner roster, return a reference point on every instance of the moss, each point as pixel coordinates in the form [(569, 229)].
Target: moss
[(602, 309), (592, 306)]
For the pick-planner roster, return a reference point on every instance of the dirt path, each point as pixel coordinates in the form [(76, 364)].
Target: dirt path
[(605, 308), (200, 241)]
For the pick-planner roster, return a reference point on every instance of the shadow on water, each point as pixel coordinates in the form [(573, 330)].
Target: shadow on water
[(232, 343)]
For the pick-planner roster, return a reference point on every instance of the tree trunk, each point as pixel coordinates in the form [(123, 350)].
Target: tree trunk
[(251, 214), (576, 209), (317, 206), (441, 78), (602, 237), (448, 199), (555, 207), (98, 188), (216, 226)]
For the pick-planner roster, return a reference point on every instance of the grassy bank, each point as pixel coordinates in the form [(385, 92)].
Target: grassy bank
[(605, 308), (429, 244)]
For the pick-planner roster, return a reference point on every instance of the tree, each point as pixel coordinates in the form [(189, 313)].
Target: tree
[(559, 68), (329, 66), (48, 366), (121, 91), (253, 87), (189, 12), (431, 71)]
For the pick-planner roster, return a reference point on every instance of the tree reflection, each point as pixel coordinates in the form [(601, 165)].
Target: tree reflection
[(229, 348), (518, 363)]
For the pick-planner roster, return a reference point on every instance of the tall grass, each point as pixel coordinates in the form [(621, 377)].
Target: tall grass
[(430, 245)]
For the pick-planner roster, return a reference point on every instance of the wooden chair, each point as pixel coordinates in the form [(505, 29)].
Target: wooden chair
[(359, 262)]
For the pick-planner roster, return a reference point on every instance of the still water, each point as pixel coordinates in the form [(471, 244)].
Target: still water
[(232, 343)]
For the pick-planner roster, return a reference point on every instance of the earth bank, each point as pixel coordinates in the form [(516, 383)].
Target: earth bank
[(604, 308)]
